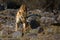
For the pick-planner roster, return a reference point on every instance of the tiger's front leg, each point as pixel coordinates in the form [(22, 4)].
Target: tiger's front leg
[(24, 27), (17, 24)]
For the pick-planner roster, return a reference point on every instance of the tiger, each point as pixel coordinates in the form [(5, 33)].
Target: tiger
[(21, 17)]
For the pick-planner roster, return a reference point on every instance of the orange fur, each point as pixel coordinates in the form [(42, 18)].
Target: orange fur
[(21, 17)]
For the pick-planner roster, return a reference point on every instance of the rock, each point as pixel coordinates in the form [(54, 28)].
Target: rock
[(47, 21), (33, 21), (40, 30), (57, 36), (58, 19), (17, 34), (4, 33), (31, 36), (48, 14)]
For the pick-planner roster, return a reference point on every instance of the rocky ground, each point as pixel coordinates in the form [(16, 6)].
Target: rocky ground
[(48, 28)]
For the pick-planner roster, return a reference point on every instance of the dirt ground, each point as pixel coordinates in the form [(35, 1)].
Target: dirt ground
[(7, 29)]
